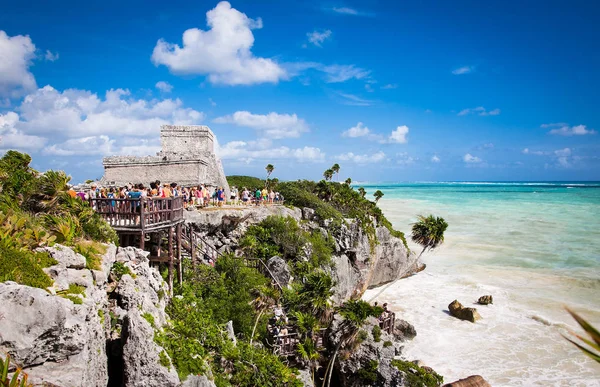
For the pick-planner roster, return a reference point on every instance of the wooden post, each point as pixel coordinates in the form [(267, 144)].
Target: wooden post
[(193, 247), (179, 260), (171, 259), (142, 241)]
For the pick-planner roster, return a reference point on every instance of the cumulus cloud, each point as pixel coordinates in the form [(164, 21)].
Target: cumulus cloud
[(242, 150), (163, 86), (405, 159), (463, 70), (272, 125), (398, 135), (360, 130), (563, 129), (470, 159), (50, 56), (435, 159), (223, 52), (343, 73), (10, 137), (361, 159), (16, 56), (480, 111), (318, 37)]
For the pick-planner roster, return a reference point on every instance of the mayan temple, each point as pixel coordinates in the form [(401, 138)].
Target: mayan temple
[(187, 157)]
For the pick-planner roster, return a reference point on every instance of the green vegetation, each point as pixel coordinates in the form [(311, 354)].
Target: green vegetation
[(337, 201), (368, 374), (72, 293), (36, 210), (196, 338), (387, 344), (417, 376), (245, 181), (92, 251), (428, 231), (376, 332), (150, 318), (18, 379), (101, 315), (378, 195), (593, 349), (164, 359), (119, 269)]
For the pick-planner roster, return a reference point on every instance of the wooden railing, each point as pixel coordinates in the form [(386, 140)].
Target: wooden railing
[(387, 323), (139, 214)]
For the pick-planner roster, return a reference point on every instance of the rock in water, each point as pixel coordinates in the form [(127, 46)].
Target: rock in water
[(403, 330), (485, 300), (457, 310), (471, 381)]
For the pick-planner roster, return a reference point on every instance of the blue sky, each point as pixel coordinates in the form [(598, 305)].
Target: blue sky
[(392, 91)]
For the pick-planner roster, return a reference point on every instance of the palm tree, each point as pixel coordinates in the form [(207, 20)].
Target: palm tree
[(328, 174), (428, 232), (270, 168), (265, 297), (594, 334), (316, 293), (336, 169), (348, 181), (378, 195), (50, 191), (309, 352), (362, 192)]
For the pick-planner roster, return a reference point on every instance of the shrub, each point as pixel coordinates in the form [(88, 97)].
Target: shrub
[(119, 269), (368, 373), (25, 267), (92, 251), (387, 344), (72, 293), (362, 336), (416, 376), (150, 318), (376, 331), (164, 359), (245, 181)]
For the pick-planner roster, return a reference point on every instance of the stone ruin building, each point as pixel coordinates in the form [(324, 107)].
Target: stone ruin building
[(187, 157)]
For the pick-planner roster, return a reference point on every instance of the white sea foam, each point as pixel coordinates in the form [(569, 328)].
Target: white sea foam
[(534, 257)]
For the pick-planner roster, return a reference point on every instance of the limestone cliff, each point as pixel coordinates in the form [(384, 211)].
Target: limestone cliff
[(359, 263), (101, 335)]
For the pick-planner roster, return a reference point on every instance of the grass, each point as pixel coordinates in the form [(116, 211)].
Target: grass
[(417, 376), (25, 267), (73, 293), (150, 318), (92, 251), (120, 270)]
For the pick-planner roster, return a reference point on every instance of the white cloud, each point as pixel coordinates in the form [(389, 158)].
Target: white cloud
[(360, 130), (354, 100), (163, 86), (463, 70), (398, 135), (343, 73), (89, 146), (555, 124), (435, 159), (390, 86), (79, 113), (10, 137), (566, 130), (563, 152), (468, 158), (16, 55), (241, 150), (317, 38), (480, 110), (361, 159), (272, 125), (528, 151), (345, 10), (405, 159), (222, 52), (212, 103), (50, 56)]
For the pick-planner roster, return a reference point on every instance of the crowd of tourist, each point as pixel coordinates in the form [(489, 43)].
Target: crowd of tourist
[(198, 196)]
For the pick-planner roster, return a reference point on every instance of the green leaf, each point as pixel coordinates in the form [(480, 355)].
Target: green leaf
[(593, 332)]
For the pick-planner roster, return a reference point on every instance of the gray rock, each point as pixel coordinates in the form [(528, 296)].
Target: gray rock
[(57, 341), (308, 213), (457, 310), (66, 257), (280, 270), (485, 300), (141, 359), (403, 330), (306, 378), (198, 381), (471, 381), (231, 332)]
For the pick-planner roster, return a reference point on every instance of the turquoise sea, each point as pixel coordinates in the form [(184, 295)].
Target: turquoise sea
[(534, 246)]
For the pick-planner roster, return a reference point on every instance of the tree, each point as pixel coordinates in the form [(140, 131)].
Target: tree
[(362, 192), (429, 232), (265, 298), (269, 168), (336, 169), (378, 195), (348, 181), (328, 174), (309, 352)]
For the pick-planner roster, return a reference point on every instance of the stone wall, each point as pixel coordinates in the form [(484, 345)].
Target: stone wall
[(186, 140)]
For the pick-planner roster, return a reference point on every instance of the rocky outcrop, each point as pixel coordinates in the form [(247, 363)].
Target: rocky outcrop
[(485, 300), (457, 310), (198, 381), (280, 270), (359, 262), (63, 338), (404, 331), (471, 381)]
